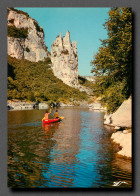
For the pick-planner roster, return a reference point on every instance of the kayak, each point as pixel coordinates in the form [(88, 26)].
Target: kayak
[(47, 121)]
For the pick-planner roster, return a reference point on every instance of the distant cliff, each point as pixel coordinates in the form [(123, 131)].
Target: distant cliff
[(25, 37), (65, 60), (89, 78)]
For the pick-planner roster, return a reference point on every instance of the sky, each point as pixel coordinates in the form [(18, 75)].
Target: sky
[(85, 26)]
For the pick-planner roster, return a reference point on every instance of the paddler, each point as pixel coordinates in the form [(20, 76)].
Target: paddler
[(56, 115), (47, 114)]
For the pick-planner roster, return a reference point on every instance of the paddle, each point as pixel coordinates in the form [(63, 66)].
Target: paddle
[(43, 118)]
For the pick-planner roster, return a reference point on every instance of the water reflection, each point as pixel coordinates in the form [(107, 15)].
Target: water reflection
[(112, 168), (61, 170), (76, 152), (23, 155)]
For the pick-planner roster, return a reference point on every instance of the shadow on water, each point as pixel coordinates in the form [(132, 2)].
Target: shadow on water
[(75, 153)]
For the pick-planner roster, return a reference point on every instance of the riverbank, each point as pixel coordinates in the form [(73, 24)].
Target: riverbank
[(22, 105), (124, 139), (121, 122), (19, 105)]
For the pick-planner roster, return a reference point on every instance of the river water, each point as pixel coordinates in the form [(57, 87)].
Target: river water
[(76, 152)]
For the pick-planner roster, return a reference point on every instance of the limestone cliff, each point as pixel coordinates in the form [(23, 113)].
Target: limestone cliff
[(65, 60), (25, 37)]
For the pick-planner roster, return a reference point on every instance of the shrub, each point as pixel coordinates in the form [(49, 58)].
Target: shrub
[(17, 32), (38, 28), (47, 60), (27, 49)]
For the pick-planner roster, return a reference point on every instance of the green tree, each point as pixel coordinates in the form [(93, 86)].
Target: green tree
[(112, 65)]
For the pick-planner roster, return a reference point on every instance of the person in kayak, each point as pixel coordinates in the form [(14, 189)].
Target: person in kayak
[(56, 115), (47, 114)]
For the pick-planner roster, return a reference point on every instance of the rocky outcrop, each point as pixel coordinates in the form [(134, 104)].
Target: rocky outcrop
[(30, 46), (65, 60), (124, 139), (121, 121), (122, 117)]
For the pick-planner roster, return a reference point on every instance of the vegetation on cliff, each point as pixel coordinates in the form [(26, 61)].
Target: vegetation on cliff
[(18, 11), (38, 28), (84, 82), (15, 32), (36, 82), (112, 65)]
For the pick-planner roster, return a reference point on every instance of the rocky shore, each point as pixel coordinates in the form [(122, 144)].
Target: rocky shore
[(121, 121), (124, 139), (23, 105), (19, 105)]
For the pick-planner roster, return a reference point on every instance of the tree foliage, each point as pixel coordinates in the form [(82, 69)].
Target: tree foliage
[(35, 81), (112, 65)]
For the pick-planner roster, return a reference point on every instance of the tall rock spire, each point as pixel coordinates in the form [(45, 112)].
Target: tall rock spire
[(66, 39), (65, 60)]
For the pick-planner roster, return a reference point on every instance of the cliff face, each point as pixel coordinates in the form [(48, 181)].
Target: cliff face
[(65, 60), (29, 43)]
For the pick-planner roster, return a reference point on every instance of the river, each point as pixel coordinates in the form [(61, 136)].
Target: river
[(76, 152)]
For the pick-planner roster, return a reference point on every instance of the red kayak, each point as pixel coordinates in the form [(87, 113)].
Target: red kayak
[(51, 120)]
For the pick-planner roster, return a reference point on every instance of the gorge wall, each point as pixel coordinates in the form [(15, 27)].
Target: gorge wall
[(65, 60), (26, 41), (25, 37)]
